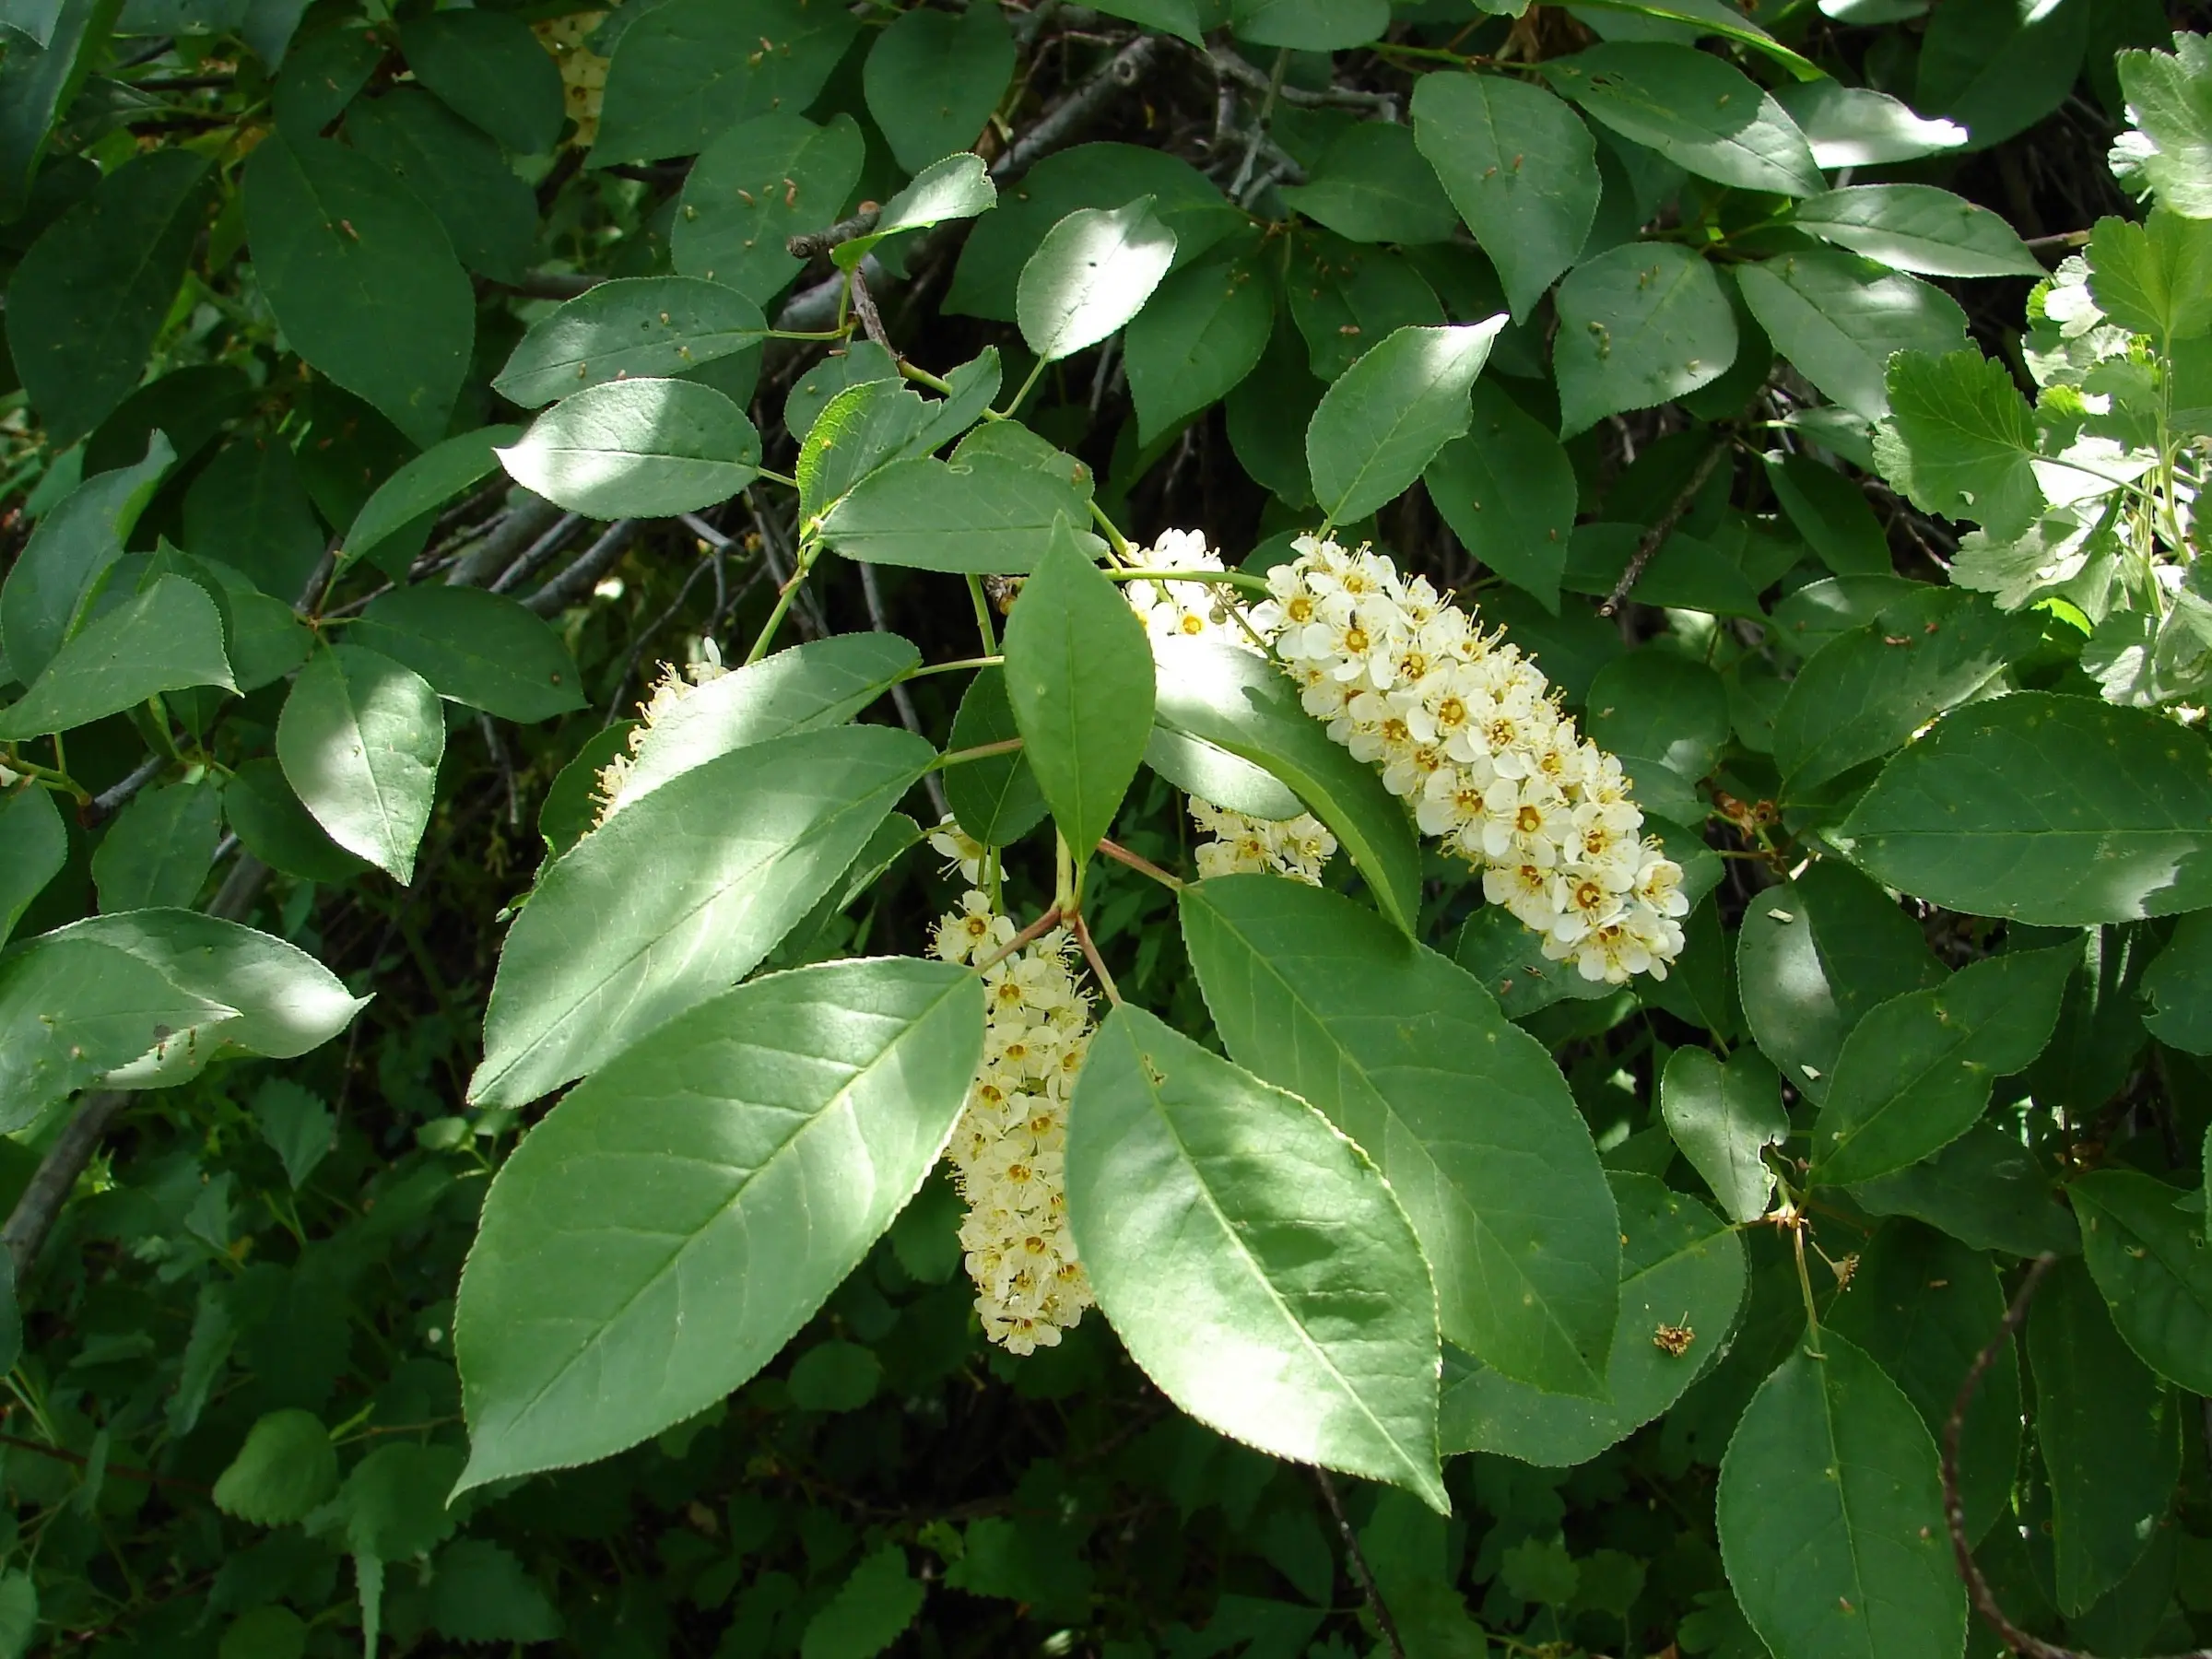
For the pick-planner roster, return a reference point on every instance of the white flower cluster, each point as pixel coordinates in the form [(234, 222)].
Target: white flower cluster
[(1297, 847), (1007, 1149), (1465, 729), (582, 71), (670, 690), (1183, 610)]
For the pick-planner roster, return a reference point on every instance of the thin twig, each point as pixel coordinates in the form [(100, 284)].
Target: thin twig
[(1386, 1625), (1230, 66), (501, 540), (808, 244), (82, 1461), (1027, 936), (1649, 544), (113, 798), (538, 554), (864, 307), (1121, 854), (901, 698), (504, 762), (1097, 965), (580, 578)]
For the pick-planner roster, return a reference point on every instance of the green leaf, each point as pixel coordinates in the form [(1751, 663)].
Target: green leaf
[(249, 508), (1466, 1115), (1369, 185), (637, 449), (2170, 101), (1343, 295), (1921, 1305), (860, 431), (758, 184), (1093, 271), (395, 522), (995, 799), (1998, 66), (19, 1612), (1521, 168), (686, 70), (269, 817), (1695, 110), (983, 514), (1666, 717), (395, 1504), (483, 1594), (1252, 1259), (361, 277), (1239, 702), (1815, 957), (1959, 440), (1984, 1189), (488, 212), (2179, 986), (2109, 1431), (299, 1127), (165, 639), (835, 1376), (1508, 960), (2152, 278), (324, 76), (1723, 1117), (1831, 512), (1640, 326), (739, 850), (861, 363), (287, 1467), (1509, 493), (1868, 690), (1202, 331), (359, 739), (1079, 678), (1856, 126), (764, 1138), (2061, 811), (1915, 1073), (823, 683), (629, 328), (1917, 228), (1680, 1267), (1831, 1516), (1840, 319), (957, 187), (86, 302), (474, 647), (37, 81), (934, 77), (1387, 415), (34, 845), (58, 574), (489, 68), (2151, 1258), (160, 848), (874, 1607)]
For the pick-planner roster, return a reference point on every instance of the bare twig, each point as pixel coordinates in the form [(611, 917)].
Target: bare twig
[(501, 542), (1121, 855), (901, 698), (538, 554), (864, 307), (1098, 963), (504, 762), (1384, 1623), (1651, 539), (116, 796), (1027, 936), (580, 578), (81, 1461), (808, 244), (1230, 66)]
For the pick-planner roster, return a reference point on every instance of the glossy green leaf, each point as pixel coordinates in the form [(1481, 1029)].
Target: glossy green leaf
[(2057, 810), (1831, 512), (1984, 1189), (2151, 1258), (160, 848), (1093, 271), (1197, 337), (1866, 691), (1521, 168), (165, 639), (934, 77), (1815, 957), (637, 449), (1369, 185), (363, 278), (1921, 1305), (1466, 1115), (1915, 1073), (996, 799), (489, 68), (287, 1467), (57, 575), (1702, 115), (810, 687), (1640, 326), (1344, 297), (1681, 1268), (476, 648), (397, 516), (685, 71), (1856, 126), (34, 845), (1840, 319), (1666, 717), (359, 739), (762, 183), (860, 431), (1509, 493), (2109, 1431), (1998, 66), (1961, 440), (488, 212), (1240, 704), (633, 327), (1385, 418), (1831, 1516), (2170, 101), (86, 302), (268, 816), (1723, 1117), (1079, 678), (2156, 278), (983, 514), (1917, 228), (2179, 986), (249, 508), (675, 1220), (679, 896), (957, 187), (1252, 1259)]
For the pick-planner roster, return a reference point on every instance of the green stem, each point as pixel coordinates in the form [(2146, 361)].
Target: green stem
[(1114, 539), (929, 669), (981, 752), (1804, 1286), (1021, 396), (1243, 579), (776, 477), (922, 377), (983, 613), (828, 334), (783, 598)]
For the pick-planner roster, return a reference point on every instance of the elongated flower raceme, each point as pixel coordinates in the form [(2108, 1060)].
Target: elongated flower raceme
[(670, 687), (1007, 1147), (1466, 731)]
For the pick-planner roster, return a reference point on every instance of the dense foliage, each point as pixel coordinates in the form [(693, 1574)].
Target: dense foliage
[(1302, 827)]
